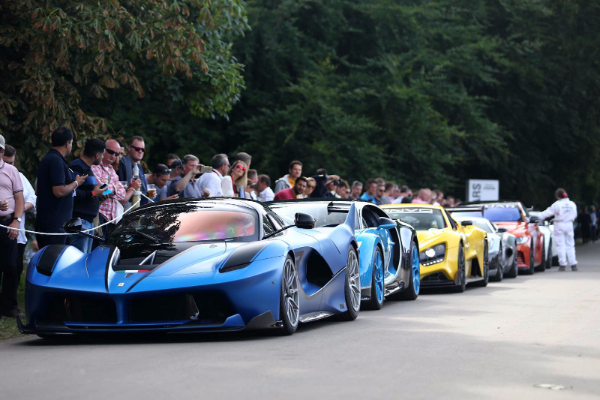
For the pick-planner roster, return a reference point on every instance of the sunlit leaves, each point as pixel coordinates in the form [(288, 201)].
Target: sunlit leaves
[(56, 51)]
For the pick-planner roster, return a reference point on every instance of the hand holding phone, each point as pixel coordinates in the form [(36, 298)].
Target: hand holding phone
[(99, 189)]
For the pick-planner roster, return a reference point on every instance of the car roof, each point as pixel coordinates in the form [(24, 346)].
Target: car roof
[(214, 201), (484, 203), (412, 205)]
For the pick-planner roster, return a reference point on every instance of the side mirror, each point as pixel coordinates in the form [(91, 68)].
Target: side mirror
[(73, 225), (386, 223), (466, 223), (502, 230), (304, 221), (534, 220)]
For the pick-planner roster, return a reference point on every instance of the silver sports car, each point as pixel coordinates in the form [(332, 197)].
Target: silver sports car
[(502, 254), (547, 228)]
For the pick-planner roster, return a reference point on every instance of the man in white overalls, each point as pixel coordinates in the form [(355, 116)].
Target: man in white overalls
[(564, 212)]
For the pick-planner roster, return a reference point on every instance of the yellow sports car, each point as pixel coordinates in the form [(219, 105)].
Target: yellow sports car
[(452, 253)]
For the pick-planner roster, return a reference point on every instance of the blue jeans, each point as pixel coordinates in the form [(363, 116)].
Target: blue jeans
[(81, 242)]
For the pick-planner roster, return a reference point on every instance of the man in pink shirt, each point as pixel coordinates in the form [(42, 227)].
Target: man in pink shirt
[(424, 197), (105, 173), (12, 204)]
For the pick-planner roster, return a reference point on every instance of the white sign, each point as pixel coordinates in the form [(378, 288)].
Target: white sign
[(483, 190)]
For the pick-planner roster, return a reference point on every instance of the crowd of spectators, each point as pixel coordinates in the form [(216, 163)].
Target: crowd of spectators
[(109, 177), (589, 223)]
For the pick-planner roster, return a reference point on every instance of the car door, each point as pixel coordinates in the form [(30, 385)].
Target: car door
[(371, 216)]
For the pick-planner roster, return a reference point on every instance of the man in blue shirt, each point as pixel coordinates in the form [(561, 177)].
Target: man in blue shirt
[(56, 185), (369, 194)]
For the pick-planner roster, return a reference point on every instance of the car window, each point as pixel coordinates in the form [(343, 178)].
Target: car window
[(421, 219), (503, 213), (320, 212), (275, 220), (187, 223), (268, 227), (452, 221)]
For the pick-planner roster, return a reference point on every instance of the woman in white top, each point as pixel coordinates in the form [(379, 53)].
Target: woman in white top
[(234, 183)]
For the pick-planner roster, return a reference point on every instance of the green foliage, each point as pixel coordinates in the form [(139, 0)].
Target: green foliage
[(429, 93), (63, 61), (422, 92)]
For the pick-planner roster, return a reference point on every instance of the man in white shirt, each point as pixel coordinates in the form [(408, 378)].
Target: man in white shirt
[(263, 188), (212, 180), (30, 200), (564, 212)]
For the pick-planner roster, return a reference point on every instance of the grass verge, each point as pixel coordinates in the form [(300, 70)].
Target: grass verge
[(8, 326)]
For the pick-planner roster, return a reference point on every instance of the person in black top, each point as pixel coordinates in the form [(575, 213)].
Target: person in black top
[(322, 179), (86, 203), (130, 166), (56, 184)]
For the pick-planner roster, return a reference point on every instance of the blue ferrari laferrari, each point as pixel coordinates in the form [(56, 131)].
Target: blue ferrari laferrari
[(197, 266), (389, 250)]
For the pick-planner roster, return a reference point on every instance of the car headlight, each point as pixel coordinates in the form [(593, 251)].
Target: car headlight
[(522, 239), (433, 255)]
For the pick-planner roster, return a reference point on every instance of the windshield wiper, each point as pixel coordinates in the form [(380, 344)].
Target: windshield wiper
[(144, 234)]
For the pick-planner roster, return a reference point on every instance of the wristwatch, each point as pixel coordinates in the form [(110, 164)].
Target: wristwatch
[(17, 219)]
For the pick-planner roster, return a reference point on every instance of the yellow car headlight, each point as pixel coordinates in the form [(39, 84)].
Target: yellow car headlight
[(433, 255)]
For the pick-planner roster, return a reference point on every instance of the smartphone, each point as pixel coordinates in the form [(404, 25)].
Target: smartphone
[(103, 186), (206, 169), (107, 192)]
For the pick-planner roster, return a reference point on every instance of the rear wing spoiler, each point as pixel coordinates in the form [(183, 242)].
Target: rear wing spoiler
[(466, 209)]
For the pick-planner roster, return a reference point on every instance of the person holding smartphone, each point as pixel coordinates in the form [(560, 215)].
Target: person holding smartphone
[(114, 194), (87, 196)]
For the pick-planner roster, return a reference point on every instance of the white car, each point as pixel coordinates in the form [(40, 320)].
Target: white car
[(547, 228)]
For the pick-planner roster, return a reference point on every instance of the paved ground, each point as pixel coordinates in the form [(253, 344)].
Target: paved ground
[(494, 342)]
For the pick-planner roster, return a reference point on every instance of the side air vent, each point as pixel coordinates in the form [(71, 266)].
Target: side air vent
[(49, 257)]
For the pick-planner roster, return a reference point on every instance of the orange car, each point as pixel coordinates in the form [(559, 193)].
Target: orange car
[(511, 216)]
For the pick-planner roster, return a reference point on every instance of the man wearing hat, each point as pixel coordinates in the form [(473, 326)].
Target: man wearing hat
[(12, 203)]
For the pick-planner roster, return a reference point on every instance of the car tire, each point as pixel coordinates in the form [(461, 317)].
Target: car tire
[(531, 269), (462, 278), (414, 284), (514, 270), (486, 268), (500, 273), (549, 255), (351, 287), (375, 302), (289, 300), (542, 266)]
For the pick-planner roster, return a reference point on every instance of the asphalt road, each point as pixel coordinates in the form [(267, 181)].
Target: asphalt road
[(494, 342)]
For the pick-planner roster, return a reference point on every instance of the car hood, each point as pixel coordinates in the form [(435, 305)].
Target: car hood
[(429, 237), (516, 228)]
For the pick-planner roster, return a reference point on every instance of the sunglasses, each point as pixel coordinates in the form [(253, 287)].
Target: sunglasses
[(112, 153), (163, 171), (240, 167), (312, 186), (139, 149)]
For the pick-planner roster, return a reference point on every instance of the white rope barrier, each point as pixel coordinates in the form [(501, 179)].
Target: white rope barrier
[(77, 233)]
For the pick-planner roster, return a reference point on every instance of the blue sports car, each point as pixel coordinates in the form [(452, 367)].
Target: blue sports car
[(389, 250), (195, 266)]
